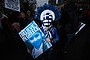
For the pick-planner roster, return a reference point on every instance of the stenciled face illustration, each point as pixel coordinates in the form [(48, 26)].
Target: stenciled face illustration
[(36, 40)]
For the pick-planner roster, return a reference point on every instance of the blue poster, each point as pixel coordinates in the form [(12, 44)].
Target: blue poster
[(34, 39)]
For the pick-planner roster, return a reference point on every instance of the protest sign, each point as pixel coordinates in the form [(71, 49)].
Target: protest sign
[(12, 4)]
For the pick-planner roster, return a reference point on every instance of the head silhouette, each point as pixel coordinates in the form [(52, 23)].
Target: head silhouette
[(36, 39)]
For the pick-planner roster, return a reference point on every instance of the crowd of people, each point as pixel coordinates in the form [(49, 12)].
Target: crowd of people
[(13, 48)]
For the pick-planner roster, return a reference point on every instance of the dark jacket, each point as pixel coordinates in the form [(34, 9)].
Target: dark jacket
[(79, 46), (70, 18)]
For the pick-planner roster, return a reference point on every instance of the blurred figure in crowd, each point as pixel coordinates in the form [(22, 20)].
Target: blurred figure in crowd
[(23, 20), (4, 22), (70, 19), (29, 16)]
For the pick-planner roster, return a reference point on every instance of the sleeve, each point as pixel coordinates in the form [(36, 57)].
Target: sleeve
[(55, 35)]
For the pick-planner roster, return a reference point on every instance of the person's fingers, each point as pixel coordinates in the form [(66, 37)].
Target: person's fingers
[(48, 39)]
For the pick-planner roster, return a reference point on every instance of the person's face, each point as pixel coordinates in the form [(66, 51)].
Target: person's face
[(22, 14), (36, 40), (28, 13), (47, 20)]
